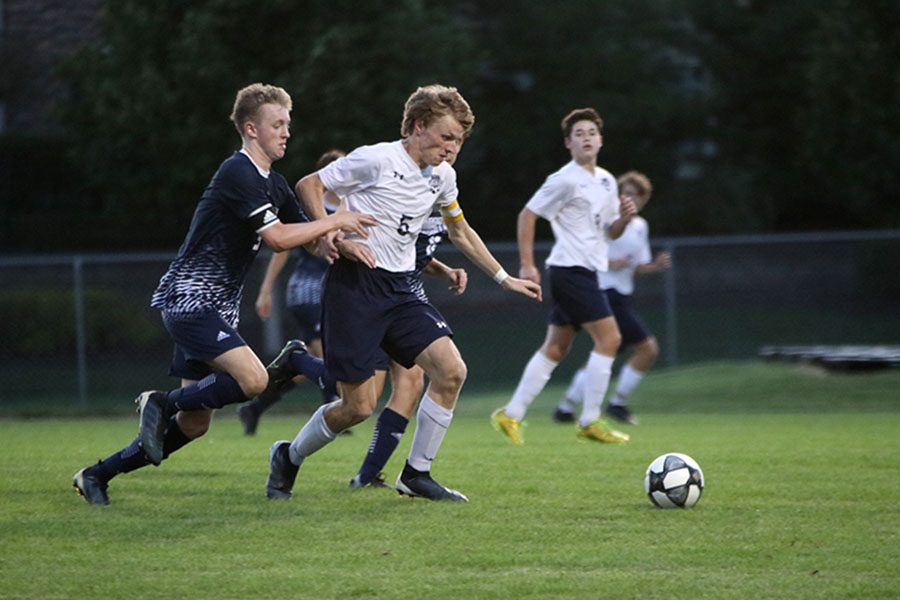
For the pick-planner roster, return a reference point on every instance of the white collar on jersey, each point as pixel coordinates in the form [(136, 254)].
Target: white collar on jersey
[(262, 171)]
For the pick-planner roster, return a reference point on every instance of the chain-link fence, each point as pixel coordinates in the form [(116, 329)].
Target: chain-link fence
[(77, 331)]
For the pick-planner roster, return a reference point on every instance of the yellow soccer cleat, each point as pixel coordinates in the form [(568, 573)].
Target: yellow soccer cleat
[(509, 426), (600, 431)]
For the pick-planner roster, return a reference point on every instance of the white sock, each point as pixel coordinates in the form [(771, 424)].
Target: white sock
[(536, 375), (596, 380), (575, 394), (629, 378), (312, 437), (432, 421)]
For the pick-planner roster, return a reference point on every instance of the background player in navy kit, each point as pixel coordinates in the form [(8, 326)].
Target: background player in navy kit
[(304, 301), (368, 301), (245, 204), (629, 255), (584, 210)]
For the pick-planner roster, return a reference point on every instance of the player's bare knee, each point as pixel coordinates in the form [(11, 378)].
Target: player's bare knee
[(254, 383), (359, 413), (453, 376), (609, 345)]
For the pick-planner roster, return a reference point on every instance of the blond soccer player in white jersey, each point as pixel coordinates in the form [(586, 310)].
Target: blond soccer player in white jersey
[(629, 256), (368, 302), (581, 203)]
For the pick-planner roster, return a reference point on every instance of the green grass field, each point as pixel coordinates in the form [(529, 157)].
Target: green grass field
[(802, 472)]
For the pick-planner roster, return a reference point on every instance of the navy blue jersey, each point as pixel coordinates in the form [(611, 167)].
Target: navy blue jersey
[(208, 273), (433, 233), (305, 283)]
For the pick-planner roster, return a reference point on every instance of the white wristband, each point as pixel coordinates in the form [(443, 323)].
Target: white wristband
[(500, 276)]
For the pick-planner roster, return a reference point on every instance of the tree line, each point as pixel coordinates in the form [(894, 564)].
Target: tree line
[(748, 115)]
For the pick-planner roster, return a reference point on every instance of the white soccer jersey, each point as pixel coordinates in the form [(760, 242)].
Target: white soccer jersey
[(580, 207), (383, 181), (634, 244)]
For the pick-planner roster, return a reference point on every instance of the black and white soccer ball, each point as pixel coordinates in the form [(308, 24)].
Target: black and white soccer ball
[(674, 480)]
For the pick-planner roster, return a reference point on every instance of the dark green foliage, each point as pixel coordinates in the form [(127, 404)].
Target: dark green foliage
[(747, 115), (156, 96), (40, 324)]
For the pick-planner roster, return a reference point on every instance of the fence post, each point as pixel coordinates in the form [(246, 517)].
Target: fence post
[(671, 292), (80, 330)]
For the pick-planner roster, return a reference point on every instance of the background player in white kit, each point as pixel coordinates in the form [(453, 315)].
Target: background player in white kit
[(628, 256), (582, 204), (368, 301)]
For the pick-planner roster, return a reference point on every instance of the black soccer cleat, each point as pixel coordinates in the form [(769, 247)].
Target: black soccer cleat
[(152, 406), (280, 370), (376, 482), (620, 413), (419, 484), (282, 472), (562, 416), (90, 488), (249, 418)]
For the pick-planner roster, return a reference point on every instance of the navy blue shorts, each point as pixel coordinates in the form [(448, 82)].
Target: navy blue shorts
[(309, 320), (198, 339), (630, 323), (382, 361), (577, 297), (368, 310)]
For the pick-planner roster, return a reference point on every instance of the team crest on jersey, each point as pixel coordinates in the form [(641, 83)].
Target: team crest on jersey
[(434, 183), (606, 183)]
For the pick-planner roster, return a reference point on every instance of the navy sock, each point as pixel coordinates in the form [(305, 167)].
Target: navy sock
[(313, 368), (175, 438), (131, 457), (388, 431), (213, 391), (128, 459), (328, 397)]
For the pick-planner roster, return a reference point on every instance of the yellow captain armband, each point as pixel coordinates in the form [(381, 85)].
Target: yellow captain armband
[(452, 212)]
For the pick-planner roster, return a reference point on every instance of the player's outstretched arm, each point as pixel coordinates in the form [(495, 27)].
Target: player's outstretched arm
[(311, 192), (525, 226), (355, 252), (469, 243), (264, 298), (284, 236), (627, 211), (458, 278)]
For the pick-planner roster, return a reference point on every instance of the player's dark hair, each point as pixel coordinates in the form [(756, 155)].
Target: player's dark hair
[(580, 114), (329, 157)]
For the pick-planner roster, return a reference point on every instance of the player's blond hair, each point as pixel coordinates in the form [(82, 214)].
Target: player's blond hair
[(580, 114), (640, 181), (249, 100), (432, 102)]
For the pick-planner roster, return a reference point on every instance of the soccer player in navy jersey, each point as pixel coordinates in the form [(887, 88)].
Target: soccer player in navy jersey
[(584, 209), (245, 204), (303, 301), (368, 302)]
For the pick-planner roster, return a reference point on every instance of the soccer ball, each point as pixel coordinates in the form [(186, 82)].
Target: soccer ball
[(674, 480)]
